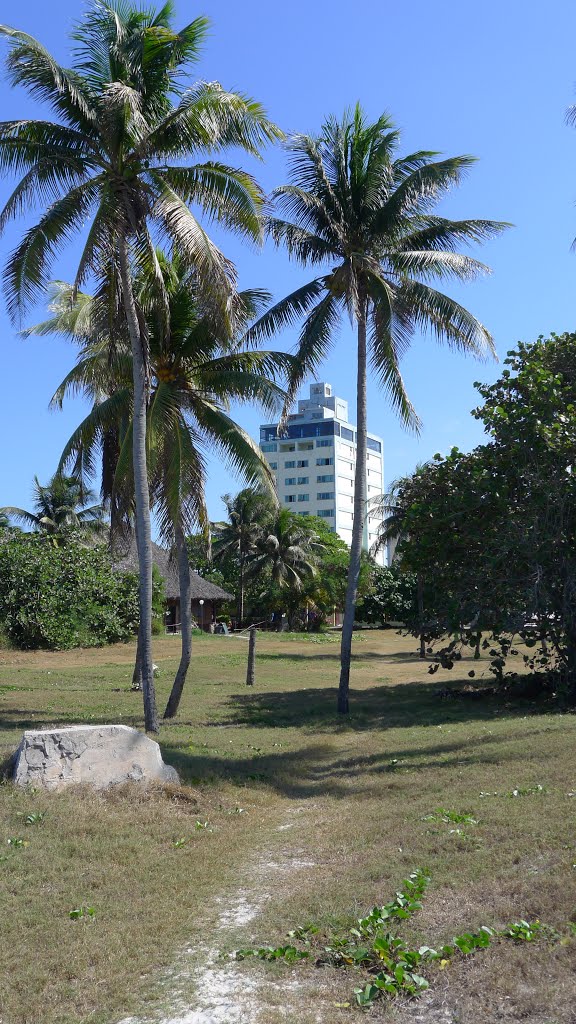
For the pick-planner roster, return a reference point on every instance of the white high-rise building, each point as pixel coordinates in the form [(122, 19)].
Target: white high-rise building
[(314, 463)]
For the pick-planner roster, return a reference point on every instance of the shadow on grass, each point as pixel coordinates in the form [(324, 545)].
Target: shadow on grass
[(317, 770), (376, 708)]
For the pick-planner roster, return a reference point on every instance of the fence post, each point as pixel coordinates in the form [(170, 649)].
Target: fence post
[(251, 656)]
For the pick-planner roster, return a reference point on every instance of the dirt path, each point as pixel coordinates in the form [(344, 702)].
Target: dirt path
[(227, 991)]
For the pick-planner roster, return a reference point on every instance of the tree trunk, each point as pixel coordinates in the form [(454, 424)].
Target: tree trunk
[(185, 623), (141, 492), (359, 516), (251, 657), (137, 673)]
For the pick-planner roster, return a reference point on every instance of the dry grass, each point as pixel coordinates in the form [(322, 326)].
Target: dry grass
[(354, 795)]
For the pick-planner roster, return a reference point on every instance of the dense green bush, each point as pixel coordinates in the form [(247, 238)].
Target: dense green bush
[(58, 598), (392, 597)]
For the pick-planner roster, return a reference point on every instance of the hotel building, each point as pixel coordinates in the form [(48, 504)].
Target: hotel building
[(314, 463)]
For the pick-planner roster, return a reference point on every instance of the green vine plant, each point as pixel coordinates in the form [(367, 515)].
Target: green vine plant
[(393, 967)]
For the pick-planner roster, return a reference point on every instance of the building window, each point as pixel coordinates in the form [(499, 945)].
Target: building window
[(290, 499), (303, 513), (324, 442), (325, 513), (273, 465), (303, 479), (325, 478), (303, 497), (290, 481), (325, 496), (287, 447), (325, 462), (305, 446), (269, 447), (292, 465), (374, 445), (302, 463), (348, 434)]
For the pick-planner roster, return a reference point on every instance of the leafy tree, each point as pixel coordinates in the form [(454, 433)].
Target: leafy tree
[(354, 206), (61, 510), (124, 113), (195, 373), (62, 597), (393, 596), (250, 513), (389, 509), (494, 531)]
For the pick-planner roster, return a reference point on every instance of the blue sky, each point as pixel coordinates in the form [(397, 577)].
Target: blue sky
[(491, 79)]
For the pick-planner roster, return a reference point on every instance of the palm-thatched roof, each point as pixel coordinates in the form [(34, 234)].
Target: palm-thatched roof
[(125, 559)]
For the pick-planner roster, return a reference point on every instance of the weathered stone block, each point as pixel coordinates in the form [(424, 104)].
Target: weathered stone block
[(100, 755)]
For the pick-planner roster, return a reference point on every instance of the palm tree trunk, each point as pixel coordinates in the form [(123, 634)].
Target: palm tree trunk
[(185, 623), (141, 493), (137, 673), (359, 516)]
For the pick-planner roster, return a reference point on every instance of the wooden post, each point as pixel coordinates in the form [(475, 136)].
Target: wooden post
[(251, 656)]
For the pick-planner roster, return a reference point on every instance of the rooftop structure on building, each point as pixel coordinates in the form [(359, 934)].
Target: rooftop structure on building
[(314, 462)]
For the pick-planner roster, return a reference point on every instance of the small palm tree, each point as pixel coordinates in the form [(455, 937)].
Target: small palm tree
[(127, 120), (364, 217), (60, 510), (195, 374), (288, 549), (249, 514)]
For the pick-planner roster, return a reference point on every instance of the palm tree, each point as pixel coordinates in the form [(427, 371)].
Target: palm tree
[(288, 549), (249, 513), (60, 509), (364, 215), (195, 373), (124, 114)]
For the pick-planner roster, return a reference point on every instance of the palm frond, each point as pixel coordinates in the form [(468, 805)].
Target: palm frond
[(448, 320), (286, 313), (228, 195), (31, 65), (26, 271), (187, 236)]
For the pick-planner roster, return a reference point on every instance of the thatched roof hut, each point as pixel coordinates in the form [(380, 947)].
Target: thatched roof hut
[(126, 560)]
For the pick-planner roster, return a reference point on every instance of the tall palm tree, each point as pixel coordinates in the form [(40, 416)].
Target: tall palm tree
[(364, 217), (124, 114), (288, 547), (60, 509), (249, 513), (195, 374)]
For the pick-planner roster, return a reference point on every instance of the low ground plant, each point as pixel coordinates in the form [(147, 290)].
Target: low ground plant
[(394, 967)]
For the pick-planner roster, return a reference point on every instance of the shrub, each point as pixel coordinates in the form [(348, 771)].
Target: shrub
[(58, 598)]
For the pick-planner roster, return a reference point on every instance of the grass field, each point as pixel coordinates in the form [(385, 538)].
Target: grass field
[(288, 815)]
